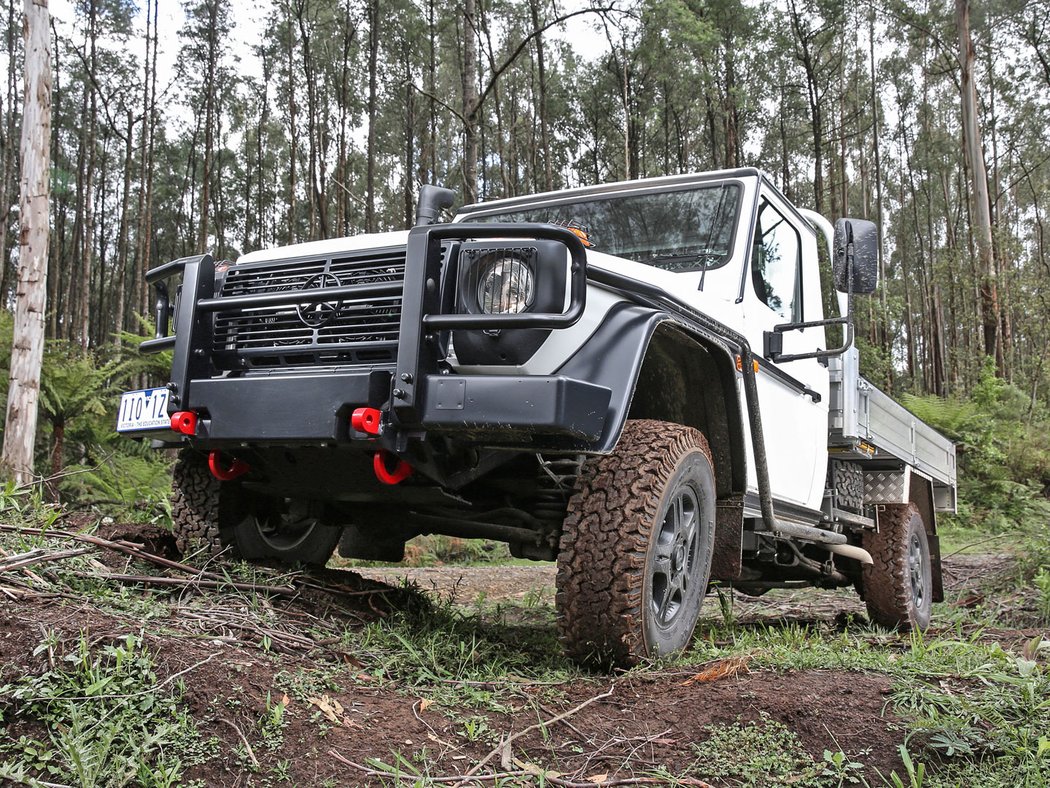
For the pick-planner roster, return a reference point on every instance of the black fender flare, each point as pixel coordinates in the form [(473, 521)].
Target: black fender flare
[(635, 343)]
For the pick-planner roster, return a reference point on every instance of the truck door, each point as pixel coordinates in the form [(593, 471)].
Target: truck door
[(782, 285)]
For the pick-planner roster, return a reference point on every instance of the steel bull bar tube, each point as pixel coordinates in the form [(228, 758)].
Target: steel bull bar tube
[(430, 275)]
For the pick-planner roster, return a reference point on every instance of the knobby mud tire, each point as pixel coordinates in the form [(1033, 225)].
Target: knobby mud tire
[(212, 518), (618, 502), (888, 587), (196, 499)]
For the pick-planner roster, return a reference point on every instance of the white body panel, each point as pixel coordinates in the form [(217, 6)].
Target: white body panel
[(327, 246), (795, 425), (789, 417)]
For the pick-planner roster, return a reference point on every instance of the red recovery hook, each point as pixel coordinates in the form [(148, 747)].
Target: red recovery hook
[(229, 472), (184, 421), (366, 420), (402, 470)]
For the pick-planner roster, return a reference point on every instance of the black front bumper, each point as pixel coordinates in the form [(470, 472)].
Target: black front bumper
[(311, 409), (418, 397)]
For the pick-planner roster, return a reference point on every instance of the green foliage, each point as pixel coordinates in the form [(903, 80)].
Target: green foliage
[(1004, 457), (459, 659), (272, 723), (25, 506), (766, 753), (107, 721), (876, 363), (990, 713), (90, 465), (135, 487), (1042, 584)]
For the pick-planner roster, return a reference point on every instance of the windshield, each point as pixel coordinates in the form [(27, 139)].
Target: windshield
[(683, 230)]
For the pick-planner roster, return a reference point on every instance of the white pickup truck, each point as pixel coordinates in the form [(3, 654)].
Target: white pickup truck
[(633, 380)]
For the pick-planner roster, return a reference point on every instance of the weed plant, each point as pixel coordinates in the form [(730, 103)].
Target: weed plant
[(105, 720), (767, 753)]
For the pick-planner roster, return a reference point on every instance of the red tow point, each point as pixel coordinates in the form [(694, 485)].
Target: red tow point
[(366, 420), (225, 473), (402, 470), (184, 421)]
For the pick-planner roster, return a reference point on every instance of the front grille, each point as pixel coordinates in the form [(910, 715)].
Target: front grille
[(356, 331)]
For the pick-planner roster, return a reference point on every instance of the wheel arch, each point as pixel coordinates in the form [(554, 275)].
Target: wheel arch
[(658, 368), (686, 380)]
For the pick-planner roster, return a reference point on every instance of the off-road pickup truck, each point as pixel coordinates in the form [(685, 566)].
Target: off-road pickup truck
[(631, 379)]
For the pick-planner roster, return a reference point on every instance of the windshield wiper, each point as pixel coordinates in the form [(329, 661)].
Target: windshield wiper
[(691, 261)]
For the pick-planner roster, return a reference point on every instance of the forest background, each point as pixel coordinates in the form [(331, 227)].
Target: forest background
[(165, 143)]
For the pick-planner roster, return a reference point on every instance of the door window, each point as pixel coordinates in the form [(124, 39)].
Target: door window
[(775, 260)]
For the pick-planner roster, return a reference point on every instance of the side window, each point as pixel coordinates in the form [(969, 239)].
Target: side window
[(775, 261)]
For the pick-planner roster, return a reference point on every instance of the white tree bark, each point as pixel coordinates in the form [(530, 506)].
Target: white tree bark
[(982, 211), (27, 350)]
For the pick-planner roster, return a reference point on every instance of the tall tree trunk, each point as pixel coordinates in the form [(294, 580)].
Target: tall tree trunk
[(373, 112), (410, 120), (541, 71), (209, 89), (884, 316), (318, 221), (6, 169), (293, 148), (88, 241), (990, 317), (471, 105), (122, 236), (54, 274), (431, 87), (151, 126), (342, 212), (27, 348), (138, 271)]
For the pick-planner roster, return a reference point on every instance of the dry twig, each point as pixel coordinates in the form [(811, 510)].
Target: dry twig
[(244, 741), (38, 556), (504, 746), (190, 582)]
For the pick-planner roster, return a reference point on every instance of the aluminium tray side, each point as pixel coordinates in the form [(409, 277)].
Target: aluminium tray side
[(861, 412)]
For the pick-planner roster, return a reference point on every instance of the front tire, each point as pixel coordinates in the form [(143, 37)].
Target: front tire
[(898, 586), (213, 518), (636, 547)]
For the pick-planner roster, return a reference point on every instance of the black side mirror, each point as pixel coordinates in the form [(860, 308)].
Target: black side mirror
[(856, 256)]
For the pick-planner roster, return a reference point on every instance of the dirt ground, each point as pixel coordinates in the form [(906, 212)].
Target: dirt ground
[(615, 726)]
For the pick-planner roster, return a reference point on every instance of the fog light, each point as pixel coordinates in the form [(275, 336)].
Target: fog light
[(505, 285)]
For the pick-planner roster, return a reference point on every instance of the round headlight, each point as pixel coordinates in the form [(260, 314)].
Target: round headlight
[(505, 285)]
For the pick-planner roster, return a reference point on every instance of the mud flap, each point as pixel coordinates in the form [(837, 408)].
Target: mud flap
[(729, 522)]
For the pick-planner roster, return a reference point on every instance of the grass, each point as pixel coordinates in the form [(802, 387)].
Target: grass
[(462, 659), (438, 550), (107, 720)]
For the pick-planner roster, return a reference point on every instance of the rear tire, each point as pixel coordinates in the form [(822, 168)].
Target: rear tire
[(214, 518), (636, 547), (898, 586)]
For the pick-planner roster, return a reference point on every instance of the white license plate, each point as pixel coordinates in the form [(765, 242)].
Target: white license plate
[(146, 409)]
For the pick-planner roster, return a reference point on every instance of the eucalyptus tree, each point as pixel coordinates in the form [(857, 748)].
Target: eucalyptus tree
[(208, 80)]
